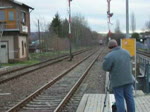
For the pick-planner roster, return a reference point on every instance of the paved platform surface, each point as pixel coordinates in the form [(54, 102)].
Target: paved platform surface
[(142, 103), (95, 103)]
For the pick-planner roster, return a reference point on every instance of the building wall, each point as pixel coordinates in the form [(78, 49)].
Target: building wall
[(20, 51), (16, 35), (10, 40), (18, 14)]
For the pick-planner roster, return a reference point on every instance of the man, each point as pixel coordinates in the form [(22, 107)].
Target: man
[(118, 64)]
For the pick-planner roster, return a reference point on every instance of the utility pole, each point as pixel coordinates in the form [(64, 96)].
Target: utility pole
[(134, 48), (69, 33), (1, 35), (39, 35), (127, 18)]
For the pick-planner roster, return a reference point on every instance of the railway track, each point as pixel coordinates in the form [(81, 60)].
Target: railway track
[(15, 73), (143, 53), (55, 94), (94, 83)]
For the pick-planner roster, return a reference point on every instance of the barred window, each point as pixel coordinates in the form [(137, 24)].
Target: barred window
[(22, 48), (11, 16), (24, 17), (2, 15)]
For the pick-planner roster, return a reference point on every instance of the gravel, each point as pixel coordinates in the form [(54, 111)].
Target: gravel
[(16, 90), (94, 83)]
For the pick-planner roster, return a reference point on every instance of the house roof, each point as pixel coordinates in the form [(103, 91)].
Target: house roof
[(20, 3)]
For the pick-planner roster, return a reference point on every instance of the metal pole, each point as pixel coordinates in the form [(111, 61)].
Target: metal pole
[(1, 35), (109, 15), (39, 34), (127, 19), (70, 46)]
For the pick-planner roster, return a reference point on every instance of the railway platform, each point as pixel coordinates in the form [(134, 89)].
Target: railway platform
[(95, 102), (104, 102)]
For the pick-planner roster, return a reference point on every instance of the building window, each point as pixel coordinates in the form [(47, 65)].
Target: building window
[(3, 46), (23, 17), (11, 16), (22, 48), (2, 15), (25, 45)]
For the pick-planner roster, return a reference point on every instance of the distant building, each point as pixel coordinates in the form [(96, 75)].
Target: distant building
[(35, 45), (14, 30), (145, 39)]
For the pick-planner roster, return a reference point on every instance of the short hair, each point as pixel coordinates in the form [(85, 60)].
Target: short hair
[(112, 43)]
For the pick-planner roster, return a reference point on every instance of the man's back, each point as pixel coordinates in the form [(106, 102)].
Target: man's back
[(118, 64)]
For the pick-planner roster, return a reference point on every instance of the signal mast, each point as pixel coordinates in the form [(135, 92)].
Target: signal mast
[(69, 32), (109, 15)]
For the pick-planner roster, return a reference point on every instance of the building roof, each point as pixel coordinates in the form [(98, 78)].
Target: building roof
[(20, 3)]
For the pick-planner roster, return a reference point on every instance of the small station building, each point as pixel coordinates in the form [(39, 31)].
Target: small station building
[(14, 30)]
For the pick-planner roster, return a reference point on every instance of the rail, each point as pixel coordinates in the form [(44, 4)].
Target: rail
[(143, 53), (46, 86), (31, 68), (74, 88)]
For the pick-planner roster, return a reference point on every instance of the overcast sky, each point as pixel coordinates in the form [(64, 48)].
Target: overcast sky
[(94, 12)]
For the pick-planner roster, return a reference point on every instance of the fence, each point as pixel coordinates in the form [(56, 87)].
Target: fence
[(147, 78), (144, 73)]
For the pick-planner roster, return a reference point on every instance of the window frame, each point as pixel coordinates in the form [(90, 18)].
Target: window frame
[(23, 17), (4, 16), (13, 16), (22, 48)]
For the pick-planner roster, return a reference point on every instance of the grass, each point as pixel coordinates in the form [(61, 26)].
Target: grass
[(38, 57), (46, 55), (21, 63)]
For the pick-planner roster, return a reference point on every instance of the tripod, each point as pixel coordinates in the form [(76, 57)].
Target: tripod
[(107, 92)]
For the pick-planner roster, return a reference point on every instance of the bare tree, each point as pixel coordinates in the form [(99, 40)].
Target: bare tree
[(147, 24), (133, 23), (118, 34), (117, 28)]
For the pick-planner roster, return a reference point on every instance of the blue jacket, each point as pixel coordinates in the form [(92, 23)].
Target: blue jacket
[(118, 64)]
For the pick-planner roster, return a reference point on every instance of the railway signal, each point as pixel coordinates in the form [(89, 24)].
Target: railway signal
[(109, 15)]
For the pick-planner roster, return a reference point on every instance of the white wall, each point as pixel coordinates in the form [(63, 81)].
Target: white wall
[(10, 40)]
